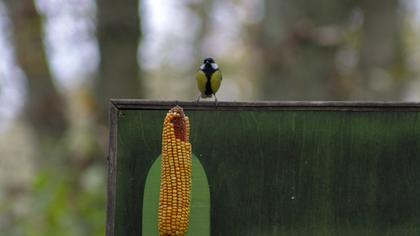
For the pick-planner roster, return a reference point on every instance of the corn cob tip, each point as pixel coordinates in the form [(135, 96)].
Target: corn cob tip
[(177, 117), (177, 109)]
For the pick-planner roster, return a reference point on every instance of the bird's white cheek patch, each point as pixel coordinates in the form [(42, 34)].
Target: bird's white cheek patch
[(202, 66), (215, 66)]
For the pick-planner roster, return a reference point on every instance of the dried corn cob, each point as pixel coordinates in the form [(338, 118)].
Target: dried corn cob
[(175, 180)]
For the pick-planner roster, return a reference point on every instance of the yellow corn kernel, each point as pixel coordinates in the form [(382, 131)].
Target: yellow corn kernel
[(175, 185)]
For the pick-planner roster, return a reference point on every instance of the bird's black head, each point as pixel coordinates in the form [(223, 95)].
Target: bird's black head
[(209, 65), (208, 60)]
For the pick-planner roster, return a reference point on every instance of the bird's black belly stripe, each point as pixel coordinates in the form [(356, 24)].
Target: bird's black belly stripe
[(208, 74), (208, 92)]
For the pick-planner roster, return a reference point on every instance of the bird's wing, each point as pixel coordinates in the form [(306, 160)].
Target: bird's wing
[(201, 81), (216, 79)]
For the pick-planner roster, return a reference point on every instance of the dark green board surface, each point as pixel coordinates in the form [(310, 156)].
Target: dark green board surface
[(329, 169)]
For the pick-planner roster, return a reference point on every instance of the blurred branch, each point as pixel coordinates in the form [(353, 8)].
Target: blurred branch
[(44, 105), (297, 42)]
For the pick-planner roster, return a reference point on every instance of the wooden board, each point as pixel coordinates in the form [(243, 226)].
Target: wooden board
[(310, 168)]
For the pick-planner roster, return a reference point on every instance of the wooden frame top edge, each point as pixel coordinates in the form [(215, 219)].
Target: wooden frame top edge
[(142, 104)]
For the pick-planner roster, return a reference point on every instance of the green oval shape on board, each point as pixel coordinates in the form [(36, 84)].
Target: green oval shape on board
[(200, 200)]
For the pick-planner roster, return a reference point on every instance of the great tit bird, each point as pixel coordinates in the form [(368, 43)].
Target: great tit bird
[(209, 78)]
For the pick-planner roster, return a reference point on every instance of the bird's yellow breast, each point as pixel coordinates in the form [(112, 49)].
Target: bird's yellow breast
[(201, 81), (215, 81)]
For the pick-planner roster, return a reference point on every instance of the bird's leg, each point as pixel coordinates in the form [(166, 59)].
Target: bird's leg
[(215, 99), (198, 99)]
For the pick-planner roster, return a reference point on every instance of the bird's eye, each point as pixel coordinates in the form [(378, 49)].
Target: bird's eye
[(215, 66)]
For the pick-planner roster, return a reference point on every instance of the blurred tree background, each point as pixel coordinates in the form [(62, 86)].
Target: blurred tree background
[(61, 60)]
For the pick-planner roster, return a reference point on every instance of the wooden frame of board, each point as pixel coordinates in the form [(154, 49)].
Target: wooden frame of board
[(120, 105)]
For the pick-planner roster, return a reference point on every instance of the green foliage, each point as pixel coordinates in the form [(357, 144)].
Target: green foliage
[(61, 205)]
